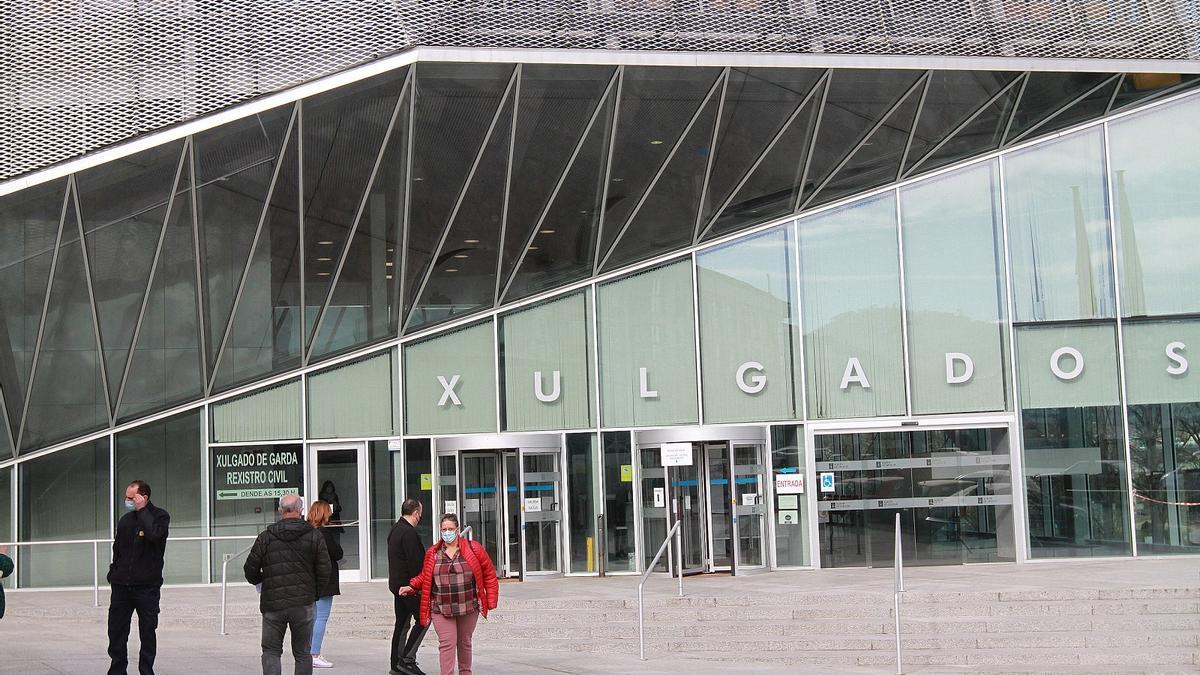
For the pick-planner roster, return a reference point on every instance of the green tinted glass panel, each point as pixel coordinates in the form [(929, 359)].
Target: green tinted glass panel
[(1154, 179), (1058, 230), (353, 400), (952, 275), (749, 342), (1051, 375), (850, 291), (547, 366), (450, 383), (1158, 361), (273, 414), (648, 349)]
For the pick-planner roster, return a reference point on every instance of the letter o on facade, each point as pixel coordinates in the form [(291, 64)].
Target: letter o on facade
[(1056, 363), (757, 381)]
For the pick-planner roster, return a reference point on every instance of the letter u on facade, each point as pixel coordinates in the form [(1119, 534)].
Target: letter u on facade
[(555, 387)]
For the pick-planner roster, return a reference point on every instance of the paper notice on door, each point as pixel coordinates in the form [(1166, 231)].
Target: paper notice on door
[(750, 499), (789, 517), (533, 504), (426, 481), (660, 497), (471, 505), (788, 502), (451, 507)]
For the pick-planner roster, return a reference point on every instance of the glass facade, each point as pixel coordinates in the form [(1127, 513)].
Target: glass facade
[(598, 252)]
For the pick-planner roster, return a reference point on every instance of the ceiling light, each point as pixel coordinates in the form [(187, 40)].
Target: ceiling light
[(390, 263), (389, 276), (390, 250), (618, 180), (452, 269), (470, 241), (533, 248), (418, 179), (656, 142), (324, 259), (322, 274), (460, 256), (325, 243), (547, 231)]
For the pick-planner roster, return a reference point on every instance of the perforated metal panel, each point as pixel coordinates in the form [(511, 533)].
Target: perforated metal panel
[(82, 74)]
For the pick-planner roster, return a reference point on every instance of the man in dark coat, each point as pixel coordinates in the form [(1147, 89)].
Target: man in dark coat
[(406, 554), (291, 561), (136, 578)]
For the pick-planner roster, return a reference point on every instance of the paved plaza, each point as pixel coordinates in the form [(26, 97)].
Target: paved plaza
[(535, 630)]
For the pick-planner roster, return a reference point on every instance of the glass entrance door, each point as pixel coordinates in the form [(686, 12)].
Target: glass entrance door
[(481, 503), (688, 504), (339, 477), (749, 508), (541, 512)]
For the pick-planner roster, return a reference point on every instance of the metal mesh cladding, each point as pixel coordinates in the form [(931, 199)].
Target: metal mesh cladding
[(82, 74)]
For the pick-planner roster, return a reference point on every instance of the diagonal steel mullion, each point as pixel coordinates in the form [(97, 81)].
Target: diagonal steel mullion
[(462, 194), (41, 331), (812, 143), (783, 129), (598, 235), (362, 206), (1112, 100), (1012, 115), (7, 423), (962, 125), (201, 319), (587, 131), (662, 168), (141, 315), (262, 217), (512, 143), (401, 269), (866, 137), (1028, 132), (912, 133), (87, 275), (712, 152)]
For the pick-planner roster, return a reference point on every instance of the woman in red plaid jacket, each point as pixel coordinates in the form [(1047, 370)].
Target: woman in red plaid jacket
[(457, 584)]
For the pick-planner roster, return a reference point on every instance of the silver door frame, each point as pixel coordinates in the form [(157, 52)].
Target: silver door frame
[(363, 573)]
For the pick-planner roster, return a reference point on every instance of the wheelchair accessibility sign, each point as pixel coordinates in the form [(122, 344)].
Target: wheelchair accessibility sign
[(827, 482)]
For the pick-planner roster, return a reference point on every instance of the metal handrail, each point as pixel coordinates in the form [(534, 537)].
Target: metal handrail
[(674, 531), (225, 558), (468, 533), (899, 565)]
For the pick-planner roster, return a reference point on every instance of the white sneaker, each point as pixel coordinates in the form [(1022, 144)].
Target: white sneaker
[(319, 662)]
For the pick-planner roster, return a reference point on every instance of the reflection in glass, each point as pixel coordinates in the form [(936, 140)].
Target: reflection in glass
[(1046, 94), (952, 489), (953, 276), (387, 496), (981, 134), (1058, 230), (418, 483), (1165, 446), (64, 495), (953, 97), (1078, 500), (620, 539), (747, 316), (850, 289), (336, 480), (1154, 178)]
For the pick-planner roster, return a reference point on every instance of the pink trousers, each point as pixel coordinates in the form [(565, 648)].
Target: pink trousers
[(454, 635)]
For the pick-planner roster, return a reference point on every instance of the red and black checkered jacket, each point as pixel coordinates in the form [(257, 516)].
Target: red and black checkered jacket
[(487, 587)]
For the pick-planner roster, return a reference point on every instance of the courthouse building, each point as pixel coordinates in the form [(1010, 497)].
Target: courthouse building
[(777, 269)]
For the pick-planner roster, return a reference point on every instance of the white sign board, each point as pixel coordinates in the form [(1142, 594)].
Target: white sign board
[(789, 484), (750, 499), (676, 454), (789, 502), (660, 497), (533, 504), (789, 517), (451, 507)]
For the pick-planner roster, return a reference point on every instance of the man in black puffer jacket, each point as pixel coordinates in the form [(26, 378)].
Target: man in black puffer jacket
[(291, 562)]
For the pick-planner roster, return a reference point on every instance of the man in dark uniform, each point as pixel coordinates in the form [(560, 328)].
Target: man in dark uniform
[(136, 578), (406, 554)]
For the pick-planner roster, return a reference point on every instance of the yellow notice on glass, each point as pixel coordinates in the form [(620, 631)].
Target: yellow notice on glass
[(626, 473), (426, 481)]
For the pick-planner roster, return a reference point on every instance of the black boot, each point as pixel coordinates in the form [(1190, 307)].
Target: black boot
[(409, 666)]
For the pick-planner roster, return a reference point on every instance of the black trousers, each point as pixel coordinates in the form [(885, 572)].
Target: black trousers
[(124, 602), (407, 608), (275, 624)]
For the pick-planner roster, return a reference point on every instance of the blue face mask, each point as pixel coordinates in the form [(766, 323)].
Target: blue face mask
[(449, 536), (129, 505)]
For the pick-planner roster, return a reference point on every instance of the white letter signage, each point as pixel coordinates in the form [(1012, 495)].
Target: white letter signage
[(854, 374), (646, 391), (448, 391), (968, 368), (555, 389), (1056, 367), (1180, 361), (757, 381)]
